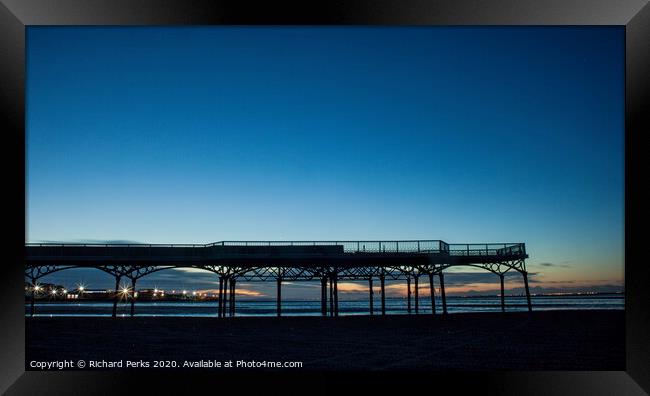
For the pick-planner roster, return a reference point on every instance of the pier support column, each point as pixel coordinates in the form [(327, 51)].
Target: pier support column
[(331, 281), (117, 289), (372, 296), (417, 295), (336, 295), (442, 292), (33, 297), (226, 305), (433, 294), (279, 298), (503, 297), (408, 295), (382, 281), (530, 305), (220, 305), (323, 296), (233, 286), (133, 297)]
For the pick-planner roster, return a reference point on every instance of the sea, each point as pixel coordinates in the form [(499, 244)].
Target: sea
[(394, 306)]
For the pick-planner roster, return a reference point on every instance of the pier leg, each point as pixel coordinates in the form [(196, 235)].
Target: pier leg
[(417, 296), (331, 296), (279, 313), (408, 295), (503, 297), (33, 297), (372, 296), (442, 293), (232, 296), (224, 309), (530, 305), (220, 305), (323, 296), (433, 295), (336, 295), (132, 297), (382, 281), (117, 289), (228, 298)]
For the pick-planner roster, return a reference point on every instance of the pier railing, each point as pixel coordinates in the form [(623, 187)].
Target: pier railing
[(403, 246), (349, 247), (487, 249), (410, 246)]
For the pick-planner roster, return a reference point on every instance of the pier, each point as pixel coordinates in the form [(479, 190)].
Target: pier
[(410, 261)]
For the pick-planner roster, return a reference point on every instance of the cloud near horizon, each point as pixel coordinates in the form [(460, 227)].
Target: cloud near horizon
[(547, 264), (239, 292)]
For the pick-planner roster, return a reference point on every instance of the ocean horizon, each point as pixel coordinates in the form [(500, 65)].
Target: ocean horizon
[(304, 307)]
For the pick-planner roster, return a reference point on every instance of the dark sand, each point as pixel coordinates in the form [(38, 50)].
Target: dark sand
[(552, 340)]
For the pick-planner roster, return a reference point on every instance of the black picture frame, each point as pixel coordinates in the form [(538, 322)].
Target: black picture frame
[(15, 15)]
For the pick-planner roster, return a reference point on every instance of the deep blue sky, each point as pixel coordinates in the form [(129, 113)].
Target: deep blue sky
[(195, 135)]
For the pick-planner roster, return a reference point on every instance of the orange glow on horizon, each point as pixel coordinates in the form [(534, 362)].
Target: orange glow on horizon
[(238, 292)]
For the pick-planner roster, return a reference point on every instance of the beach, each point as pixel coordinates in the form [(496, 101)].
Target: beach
[(550, 340)]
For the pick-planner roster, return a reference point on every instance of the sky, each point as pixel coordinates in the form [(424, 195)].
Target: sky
[(203, 134)]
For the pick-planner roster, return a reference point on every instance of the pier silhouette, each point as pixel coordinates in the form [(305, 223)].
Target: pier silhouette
[(279, 261)]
